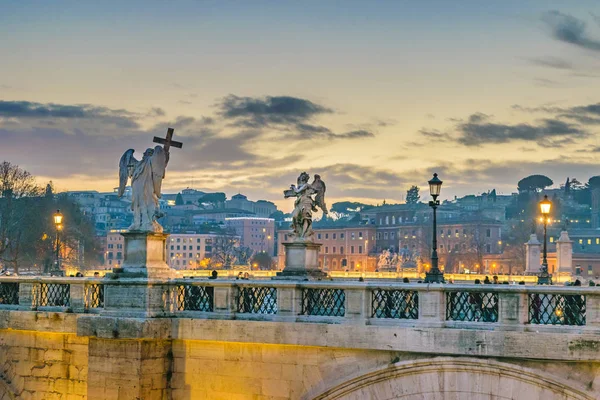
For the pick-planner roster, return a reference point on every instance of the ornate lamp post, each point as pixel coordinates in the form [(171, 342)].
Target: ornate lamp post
[(544, 278), (434, 275), (58, 219)]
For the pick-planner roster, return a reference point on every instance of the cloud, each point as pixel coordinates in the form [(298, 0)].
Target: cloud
[(435, 135), (551, 62), (568, 29), (30, 110), (586, 115), (256, 111), (290, 117), (547, 132), (543, 82)]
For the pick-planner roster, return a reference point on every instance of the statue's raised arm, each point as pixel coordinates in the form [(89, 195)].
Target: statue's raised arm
[(158, 161)]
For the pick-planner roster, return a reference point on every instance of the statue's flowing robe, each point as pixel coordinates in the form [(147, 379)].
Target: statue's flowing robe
[(145, 190)]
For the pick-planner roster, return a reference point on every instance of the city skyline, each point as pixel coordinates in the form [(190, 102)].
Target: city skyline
[(373, 98)]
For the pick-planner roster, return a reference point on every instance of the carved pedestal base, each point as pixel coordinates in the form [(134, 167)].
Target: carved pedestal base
[(301, 262), (145, 255), (137, 288)]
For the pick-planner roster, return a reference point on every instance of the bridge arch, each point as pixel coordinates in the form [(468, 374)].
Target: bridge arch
[(452, 378)]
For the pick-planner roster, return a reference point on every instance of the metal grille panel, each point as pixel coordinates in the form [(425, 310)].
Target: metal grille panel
[(95, 295), (195, 298), (557, 309), (55, 294), (472, 306), (9, 293), (258, 300), (326, 302), (402, 304)]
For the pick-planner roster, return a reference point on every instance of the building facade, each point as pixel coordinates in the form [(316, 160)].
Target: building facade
[(350, 248), (256, 233)]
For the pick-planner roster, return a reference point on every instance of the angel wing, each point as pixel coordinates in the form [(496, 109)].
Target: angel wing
[(158, 163), (126, 165), (319, 187)]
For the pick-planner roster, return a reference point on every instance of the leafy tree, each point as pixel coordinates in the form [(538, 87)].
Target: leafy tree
[(215, 200), (277, 216), (594, 182), (179, 199), (347, 207), (262, 260), (534, 183), (412, 195)]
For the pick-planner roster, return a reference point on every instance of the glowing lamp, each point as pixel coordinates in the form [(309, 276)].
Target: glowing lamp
[(435, 185), (545, 206)]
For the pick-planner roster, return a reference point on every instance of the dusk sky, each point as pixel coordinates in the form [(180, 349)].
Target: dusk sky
[(374, 96)]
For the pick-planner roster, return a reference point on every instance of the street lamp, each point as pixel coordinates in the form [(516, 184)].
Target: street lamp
[(544, 278), (434, 275), (58, 219)]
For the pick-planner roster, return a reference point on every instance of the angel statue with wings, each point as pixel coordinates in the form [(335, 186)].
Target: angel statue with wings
[(146, 180), (305, 204)]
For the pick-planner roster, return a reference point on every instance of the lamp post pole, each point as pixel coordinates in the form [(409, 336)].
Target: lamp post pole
[(544, 278), (434, 275)]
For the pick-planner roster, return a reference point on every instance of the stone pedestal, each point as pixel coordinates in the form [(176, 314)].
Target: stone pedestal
[(564, 254), (301, 262), (137, 289), (145, 256), (533, 250)]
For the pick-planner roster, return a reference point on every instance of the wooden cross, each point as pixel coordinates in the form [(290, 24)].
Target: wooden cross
[(168, 141)]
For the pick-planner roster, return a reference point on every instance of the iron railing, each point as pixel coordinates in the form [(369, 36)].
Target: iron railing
[(473, 306), (402, 304), (257, 300), (55, 295), (94, 295), (557, 309), (325, 302), (9, 293), (195, 298)]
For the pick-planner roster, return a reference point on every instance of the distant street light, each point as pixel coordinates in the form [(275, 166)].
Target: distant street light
[(58, 219), (544, 278), (434, 275)]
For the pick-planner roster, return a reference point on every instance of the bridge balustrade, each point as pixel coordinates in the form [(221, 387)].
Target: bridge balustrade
[(450, 306)]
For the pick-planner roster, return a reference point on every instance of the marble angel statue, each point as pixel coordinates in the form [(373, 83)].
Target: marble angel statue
[(146, 181), (305, 204)]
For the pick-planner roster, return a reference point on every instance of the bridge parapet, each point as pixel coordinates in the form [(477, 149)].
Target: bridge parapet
[(460, 306)]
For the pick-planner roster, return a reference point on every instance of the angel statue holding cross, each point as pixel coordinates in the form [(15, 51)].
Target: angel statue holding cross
[(146, 181)]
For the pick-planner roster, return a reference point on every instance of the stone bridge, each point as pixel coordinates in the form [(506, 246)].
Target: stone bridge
[(83, 338)]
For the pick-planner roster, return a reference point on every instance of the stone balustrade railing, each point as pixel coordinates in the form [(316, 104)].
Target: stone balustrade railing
[(502, 307)]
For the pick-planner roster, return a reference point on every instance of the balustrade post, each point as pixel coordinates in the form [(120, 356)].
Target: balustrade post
[(432, 305), (513, 308), (77, 296), (592, 309), (224, 299), (28, 295), (289, 301), (357, 307)]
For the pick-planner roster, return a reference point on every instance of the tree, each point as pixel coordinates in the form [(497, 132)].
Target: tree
[(277, 216), (214, 200), (412, 195), (225, 249), (534, 183), (262, 260), (179, 199), (594, 182), (243, 254)]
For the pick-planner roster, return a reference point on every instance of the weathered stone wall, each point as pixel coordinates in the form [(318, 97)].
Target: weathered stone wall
[(219, 370), (39, 365)]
